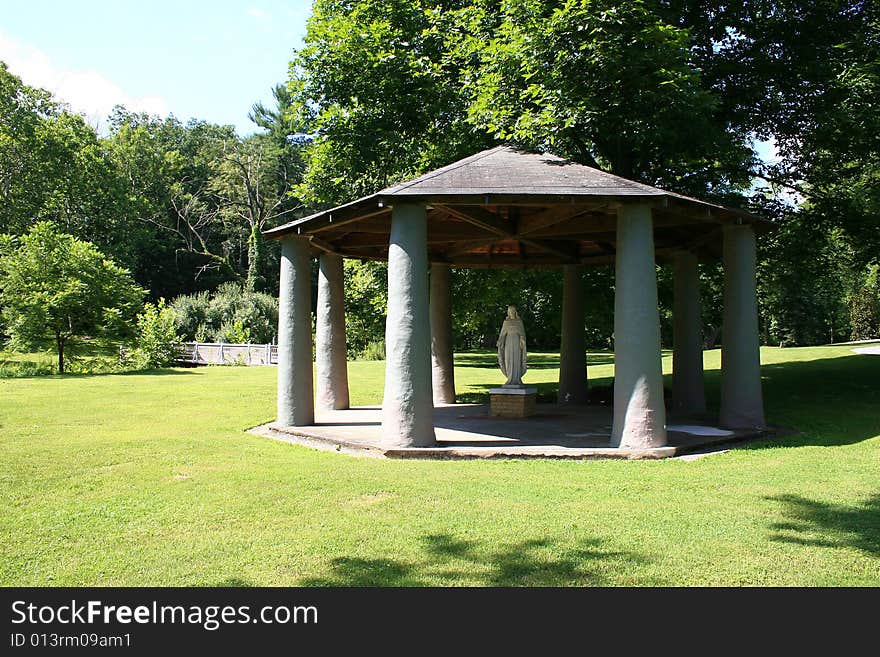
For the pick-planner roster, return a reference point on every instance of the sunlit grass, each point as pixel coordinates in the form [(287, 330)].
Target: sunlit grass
[(149, 479)]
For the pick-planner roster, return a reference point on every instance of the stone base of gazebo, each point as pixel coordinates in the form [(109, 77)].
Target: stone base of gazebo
[(466, 431)]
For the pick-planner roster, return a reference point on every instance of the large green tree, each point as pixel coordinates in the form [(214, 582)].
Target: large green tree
[(379, 87), (23, 110), (53, 166), (670, 92), (167, 167), (805, 75), (55, 289), (202, 194), (608, 83)]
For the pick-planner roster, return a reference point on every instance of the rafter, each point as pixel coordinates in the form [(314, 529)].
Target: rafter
[(480, 218), (466, 247), (547, 218), (327, 247), (344, 218)]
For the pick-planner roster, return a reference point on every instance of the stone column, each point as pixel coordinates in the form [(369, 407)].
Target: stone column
[(407, 409), (331, 365), (296, 405), (742, 406), (442, 373), (688, 395), (639, 414), (573, 351)]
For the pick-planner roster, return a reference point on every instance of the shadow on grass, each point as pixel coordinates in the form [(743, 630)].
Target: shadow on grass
[(820, 524), (829, 401), (450, 561), (537, 361), (157, 372), (89, 375)]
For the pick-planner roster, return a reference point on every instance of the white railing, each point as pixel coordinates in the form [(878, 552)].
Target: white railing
[(221, 353)]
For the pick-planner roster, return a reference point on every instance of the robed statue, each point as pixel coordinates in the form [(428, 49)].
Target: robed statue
[(512, 353)]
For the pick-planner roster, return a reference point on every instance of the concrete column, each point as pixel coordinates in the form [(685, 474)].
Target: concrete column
[(573, 351), (442, 373), (296, 405), (639, 414), (331, 365), (688, 395), (742, 405), (407, 409)]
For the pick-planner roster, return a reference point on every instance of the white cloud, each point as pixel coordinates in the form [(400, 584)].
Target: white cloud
[(256, 12), (87, 91)]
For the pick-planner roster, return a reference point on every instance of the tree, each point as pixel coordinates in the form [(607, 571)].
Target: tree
[(54, 167), (805, 274), (167, 166), (806, 75), (22, 112), (610, 84), (55, 289), (205, 193), (251, 189), (157, 342), (379, 87), (865, 306)]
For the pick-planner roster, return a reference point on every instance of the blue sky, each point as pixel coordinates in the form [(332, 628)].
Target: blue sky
[(192, 58)]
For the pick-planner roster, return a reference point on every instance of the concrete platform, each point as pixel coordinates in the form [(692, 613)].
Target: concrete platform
[(465, 431)]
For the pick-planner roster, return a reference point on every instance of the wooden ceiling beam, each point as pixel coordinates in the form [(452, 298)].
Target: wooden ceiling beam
[(343, 218), (483, 219), (550, 217), (466, 247), (326, 247)]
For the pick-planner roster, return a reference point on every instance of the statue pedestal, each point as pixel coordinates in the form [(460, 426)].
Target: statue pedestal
[(512, 401)]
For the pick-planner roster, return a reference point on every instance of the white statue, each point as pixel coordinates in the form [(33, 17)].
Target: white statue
[(512, 353)]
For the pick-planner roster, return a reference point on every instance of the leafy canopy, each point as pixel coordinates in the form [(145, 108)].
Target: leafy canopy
[(56, 288)]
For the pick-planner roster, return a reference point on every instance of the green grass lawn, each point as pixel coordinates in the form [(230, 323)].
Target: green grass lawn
[(149, 479)]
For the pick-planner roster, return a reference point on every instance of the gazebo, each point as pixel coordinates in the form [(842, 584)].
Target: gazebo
[(506, 207)]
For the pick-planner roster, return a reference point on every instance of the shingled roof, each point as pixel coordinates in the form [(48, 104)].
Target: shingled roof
[(510, 207), (505, 170)]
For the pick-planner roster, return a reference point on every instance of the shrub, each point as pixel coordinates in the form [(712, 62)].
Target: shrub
[(865, 307), (864, 316), (157, 343), (14, 369), (235, 333), (373, 351), (214, 317), (191, 315)]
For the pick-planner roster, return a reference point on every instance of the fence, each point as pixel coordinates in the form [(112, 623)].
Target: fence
[(220, 353)]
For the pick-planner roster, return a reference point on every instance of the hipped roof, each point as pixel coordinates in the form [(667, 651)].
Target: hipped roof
[(509, 207)]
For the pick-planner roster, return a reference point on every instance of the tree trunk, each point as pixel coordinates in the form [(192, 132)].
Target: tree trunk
[(59, 342)]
